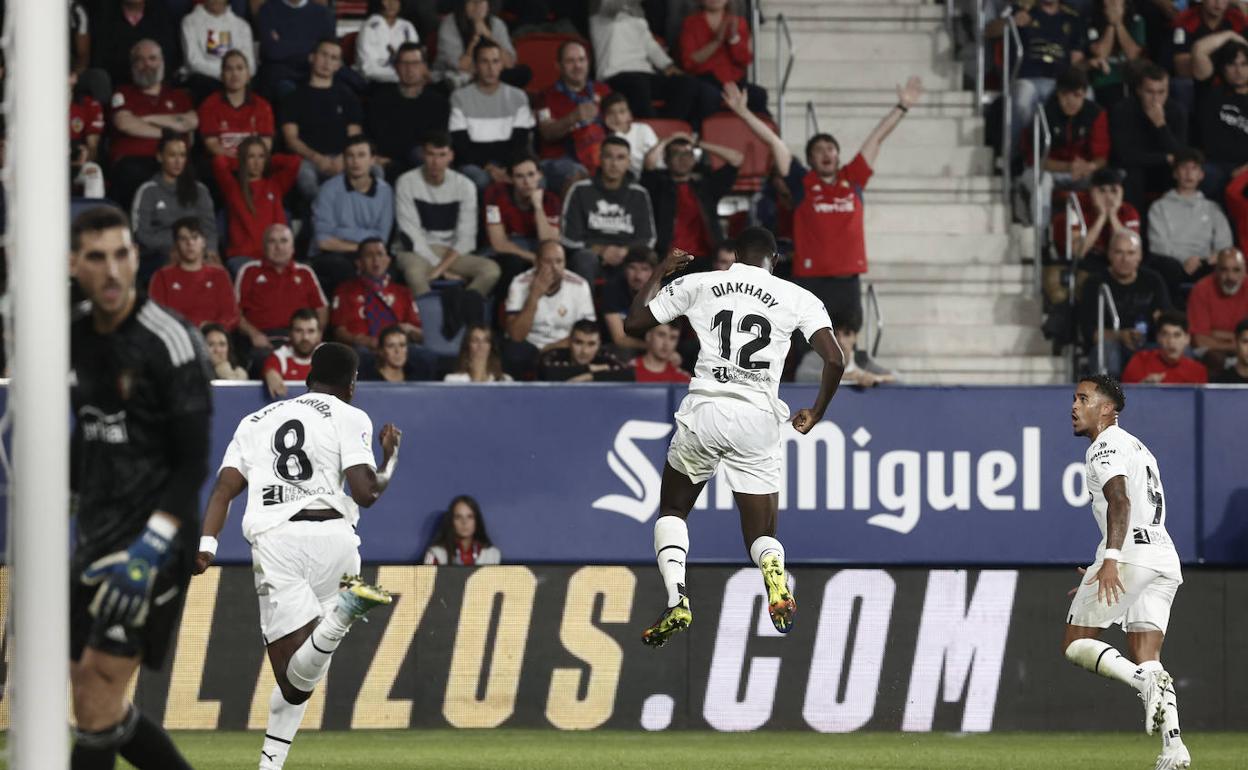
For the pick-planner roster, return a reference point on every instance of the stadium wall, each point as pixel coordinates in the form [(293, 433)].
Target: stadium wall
[(932, 476), (906, 649)]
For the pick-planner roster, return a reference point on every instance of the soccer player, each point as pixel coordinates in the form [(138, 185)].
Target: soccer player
[(293, 457), (140, 452), (744, 318), (1136, 572)]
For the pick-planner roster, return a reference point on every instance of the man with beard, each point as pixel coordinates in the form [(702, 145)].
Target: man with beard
[(543, 305), (1215, 307), (292, 361), (142, 110)]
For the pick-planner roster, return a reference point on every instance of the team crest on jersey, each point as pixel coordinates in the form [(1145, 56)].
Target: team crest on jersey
[(125, 384), (272, 494), (721, 374)]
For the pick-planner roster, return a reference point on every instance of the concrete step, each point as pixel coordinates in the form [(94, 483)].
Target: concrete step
[(835, 40), (865, 73), (827, 113), (1019, 365), (981, 378), (957, 310), (897, 13), (838, 3), (977, 197), (963, 249), (921, 271), (883, 98), (935, 184), (914, 131), (982, 288), (978, 340), (916, 161), (936, 218)]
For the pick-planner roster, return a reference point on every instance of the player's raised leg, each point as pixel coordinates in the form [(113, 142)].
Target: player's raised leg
[(671, 549), (758, 526), (1161, 703)]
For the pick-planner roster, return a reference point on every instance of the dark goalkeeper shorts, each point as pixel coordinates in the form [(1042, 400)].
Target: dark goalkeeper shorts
[(151, 641)]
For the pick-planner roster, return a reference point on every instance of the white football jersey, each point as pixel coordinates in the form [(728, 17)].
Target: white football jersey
[(1147, 544), (295, 454), (744, 318)]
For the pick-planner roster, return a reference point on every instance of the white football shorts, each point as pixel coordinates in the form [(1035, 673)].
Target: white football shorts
[(740, 439), (297, 567), (1147, 599)]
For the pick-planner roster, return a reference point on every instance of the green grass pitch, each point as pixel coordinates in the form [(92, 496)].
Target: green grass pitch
[(549, 750)]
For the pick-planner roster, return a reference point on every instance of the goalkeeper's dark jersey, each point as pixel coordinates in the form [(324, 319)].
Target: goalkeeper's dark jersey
[(142, 403)]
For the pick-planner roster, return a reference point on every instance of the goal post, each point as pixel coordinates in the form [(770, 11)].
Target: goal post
[(37, 184)]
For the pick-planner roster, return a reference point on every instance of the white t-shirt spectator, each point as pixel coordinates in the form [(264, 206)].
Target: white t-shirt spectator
[(207, 39), (640, 138), (377, 44), (555, 312)]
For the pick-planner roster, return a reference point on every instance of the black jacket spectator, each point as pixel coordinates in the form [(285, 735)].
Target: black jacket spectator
[(112, 36), (401, 115), (1138, 302), (286, 36), (1140, 146), (665, 193), (594, 215), (323, 116), (1223, 120)]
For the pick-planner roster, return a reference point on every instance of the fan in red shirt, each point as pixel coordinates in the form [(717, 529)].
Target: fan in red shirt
[(569, 120), (1237, 206), (293, 361), (142, 110), (1105, 213), (657, 363), (828, 232), (253, 189), (715, 46), (1216, 306), (232, 114), (200, 293), (86, 126), (370, 302), (1197, 22), (271, 290), (512, 225), (1167, 364)]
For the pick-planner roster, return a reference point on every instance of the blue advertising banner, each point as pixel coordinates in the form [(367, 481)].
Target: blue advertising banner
[(571, 473)]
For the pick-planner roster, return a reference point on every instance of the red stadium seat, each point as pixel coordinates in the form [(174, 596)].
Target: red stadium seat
[(665, 127), (347, 42), (539, 52), (351, 9), (730, 131)]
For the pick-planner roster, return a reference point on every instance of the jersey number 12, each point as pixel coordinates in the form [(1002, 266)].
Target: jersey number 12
[(753, 322)]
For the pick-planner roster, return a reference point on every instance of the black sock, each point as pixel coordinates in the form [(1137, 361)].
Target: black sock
[(93, 758), (150, 748)]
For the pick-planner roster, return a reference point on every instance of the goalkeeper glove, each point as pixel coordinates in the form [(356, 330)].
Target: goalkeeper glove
[(125, 577)]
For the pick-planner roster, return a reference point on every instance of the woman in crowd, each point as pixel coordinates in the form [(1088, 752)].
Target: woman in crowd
[(458, 36), (715, 47), (233, 113), (380, 37), (221, 353), (479, 359), (461, 538), (253, 185), (172, 194)]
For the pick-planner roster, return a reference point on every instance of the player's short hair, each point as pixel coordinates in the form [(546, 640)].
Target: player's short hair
[(1226, 54), (436, 138), (1109, 388), (359, 249), (1108, 177), (327, 40), (521, 158), (408, 47), (1073, 80), (187, 223), (612, 99), (586, 326), (390, 331), (358, 139), (1241, 327), (1172, 318), (1188, 155), (304, 314), (168, 136), (565, 45), (96, 219), (755, 244), (1149, 71), (484, 44), (618, 141), (334, 365), (820, 137), (641, 254)]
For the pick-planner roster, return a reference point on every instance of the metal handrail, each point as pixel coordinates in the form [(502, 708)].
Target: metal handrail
[(812, 120), (873, 305), (979, 55), (1040, 132), (1073, 209), (1105, 298), (1008, 76), (756, 24), (782, 77)]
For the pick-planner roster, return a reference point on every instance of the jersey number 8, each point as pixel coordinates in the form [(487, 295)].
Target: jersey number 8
[(292, 462)]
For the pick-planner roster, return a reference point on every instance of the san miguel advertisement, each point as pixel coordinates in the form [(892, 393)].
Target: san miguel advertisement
[(559, 647)]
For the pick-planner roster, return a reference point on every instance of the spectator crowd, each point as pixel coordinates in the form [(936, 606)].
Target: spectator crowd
[(1146, 104)]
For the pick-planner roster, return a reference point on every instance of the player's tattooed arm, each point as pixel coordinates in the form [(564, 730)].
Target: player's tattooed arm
[(1117, 514), (640, 317), (230, 482), (367, 484), (825, 345)]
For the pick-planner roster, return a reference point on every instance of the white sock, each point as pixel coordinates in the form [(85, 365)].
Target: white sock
[(1170, 732), (763, 546), (310, 662), (284, 719), (1101, 658), (671, 548)]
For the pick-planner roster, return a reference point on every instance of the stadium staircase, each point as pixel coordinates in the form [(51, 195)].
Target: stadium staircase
[(957, 302)]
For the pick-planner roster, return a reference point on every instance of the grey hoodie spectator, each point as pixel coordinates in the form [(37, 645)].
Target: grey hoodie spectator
[(603, 217), (167, 197), (1186, 230)]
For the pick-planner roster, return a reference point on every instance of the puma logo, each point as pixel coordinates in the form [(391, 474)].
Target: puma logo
[(266, 755), (673, 561)]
